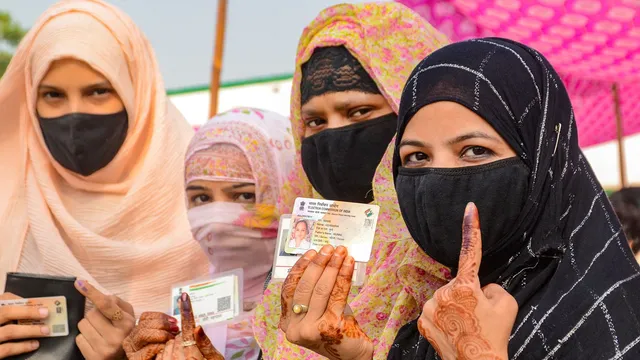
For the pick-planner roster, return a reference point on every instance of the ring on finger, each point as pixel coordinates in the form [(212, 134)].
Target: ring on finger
[(300, 309), (117, 315), (188, 343)]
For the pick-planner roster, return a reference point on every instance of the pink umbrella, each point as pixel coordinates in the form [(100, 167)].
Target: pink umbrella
[(594, 44)]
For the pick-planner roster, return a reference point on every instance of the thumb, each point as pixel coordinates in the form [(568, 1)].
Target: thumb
[(471, 251)]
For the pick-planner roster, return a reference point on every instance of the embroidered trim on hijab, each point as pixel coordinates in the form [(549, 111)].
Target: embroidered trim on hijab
[(334, 69), (220, 162)]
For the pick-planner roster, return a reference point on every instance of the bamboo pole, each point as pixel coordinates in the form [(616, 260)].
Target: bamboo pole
[(217, 58), (620, 136)]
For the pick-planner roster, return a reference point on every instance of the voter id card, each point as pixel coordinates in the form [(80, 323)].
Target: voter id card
[(213, 299), (283, 262), (57, 321), (315, 223)]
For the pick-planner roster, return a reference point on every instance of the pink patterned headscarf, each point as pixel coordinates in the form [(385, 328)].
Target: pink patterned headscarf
[(389, 40), (247, 146)]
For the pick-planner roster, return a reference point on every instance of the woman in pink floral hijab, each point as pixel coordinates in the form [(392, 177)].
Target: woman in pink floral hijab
[(235, 168)]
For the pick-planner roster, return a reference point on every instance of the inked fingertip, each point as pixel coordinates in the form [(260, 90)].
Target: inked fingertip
[(310, 254), (349, 261)]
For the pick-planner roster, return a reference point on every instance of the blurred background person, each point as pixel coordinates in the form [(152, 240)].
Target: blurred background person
[(626, 203)]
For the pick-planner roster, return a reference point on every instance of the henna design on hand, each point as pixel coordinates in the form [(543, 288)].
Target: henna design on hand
[(335, 327), (455, 310), (289, 287)]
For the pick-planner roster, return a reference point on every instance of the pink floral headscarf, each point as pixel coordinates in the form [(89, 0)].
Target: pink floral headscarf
[(389, 40)]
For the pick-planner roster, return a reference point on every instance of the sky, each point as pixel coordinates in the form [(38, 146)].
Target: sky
[(260, 39)]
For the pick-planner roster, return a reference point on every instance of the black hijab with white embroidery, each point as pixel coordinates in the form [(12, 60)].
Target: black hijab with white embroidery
[(568, 263)]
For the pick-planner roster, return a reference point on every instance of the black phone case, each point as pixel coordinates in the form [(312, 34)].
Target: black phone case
[(33, 286)]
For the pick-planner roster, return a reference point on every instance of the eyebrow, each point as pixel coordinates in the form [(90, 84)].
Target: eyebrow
[(195, 187), (101, 84), (472, 135), (415, 143), (237, 186), (456, 140), (338, 106)]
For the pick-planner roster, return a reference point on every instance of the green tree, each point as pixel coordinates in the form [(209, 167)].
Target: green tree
[(10, 35)]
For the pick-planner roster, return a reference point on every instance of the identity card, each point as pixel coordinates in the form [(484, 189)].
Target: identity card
[(57, 321), (315, 223)]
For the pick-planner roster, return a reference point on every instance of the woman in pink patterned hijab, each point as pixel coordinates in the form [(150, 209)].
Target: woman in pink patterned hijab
[(235, 168)]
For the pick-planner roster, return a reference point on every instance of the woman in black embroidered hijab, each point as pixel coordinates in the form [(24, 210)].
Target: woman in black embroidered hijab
[(549, 235)]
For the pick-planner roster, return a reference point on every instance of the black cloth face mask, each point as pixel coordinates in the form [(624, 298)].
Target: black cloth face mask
[(432, 202), (340, 163), (85, 143)]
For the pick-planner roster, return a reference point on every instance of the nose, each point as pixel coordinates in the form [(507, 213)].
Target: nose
[(337, 121)]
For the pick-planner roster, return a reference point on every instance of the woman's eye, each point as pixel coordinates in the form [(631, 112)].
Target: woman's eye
[(314, 123), (100, 92), (361, 112), (52, 95), (415, 158), (476, 151), (201, 199), (246, 197)]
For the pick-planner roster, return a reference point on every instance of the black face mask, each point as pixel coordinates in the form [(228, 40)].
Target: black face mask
[(85, 143), (432, 201), (340, 163)]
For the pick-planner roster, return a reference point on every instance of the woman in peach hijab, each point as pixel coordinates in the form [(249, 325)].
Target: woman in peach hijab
[(92, 158)]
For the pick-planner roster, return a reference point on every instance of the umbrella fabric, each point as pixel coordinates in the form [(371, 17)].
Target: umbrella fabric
[(592, 43)]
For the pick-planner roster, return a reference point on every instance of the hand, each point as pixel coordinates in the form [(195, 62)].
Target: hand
[(103, 328), (321, 281), (154, 337), (148, 338), (463, 321), (11, 332), (193, 343)]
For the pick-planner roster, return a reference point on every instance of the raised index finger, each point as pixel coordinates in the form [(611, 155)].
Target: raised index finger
[(188, 321), (471, 251), (106, 304)]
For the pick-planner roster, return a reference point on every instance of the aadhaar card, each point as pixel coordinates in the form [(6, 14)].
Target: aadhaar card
[(58, 320), (213, 300), (315, 223)]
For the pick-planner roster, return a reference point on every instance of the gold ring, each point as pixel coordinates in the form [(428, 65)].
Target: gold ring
[(188, 343), (299, 309), (116, 315)]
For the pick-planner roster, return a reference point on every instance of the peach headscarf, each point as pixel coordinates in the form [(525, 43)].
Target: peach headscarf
[(124, 228), (389, 40)]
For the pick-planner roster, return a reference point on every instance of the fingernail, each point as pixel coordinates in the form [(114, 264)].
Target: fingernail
[(186, 305), (35, 345), (173, 320), (44, 330), (309, 255), (349, 260), (341, 250), (82, 285), (174, 328), (326, 250), (44, 312)]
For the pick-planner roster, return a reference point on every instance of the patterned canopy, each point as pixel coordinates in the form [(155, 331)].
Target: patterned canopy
[(592, 43)]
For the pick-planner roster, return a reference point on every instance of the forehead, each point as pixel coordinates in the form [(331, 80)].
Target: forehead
[(340, 101), (72, 72), (442, 117)]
